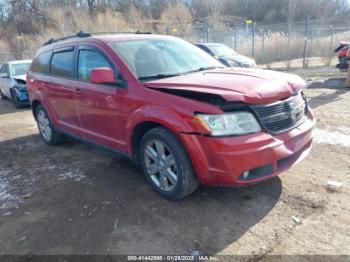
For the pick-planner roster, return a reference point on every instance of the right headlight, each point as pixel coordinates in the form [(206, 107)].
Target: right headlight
[(235, 123)]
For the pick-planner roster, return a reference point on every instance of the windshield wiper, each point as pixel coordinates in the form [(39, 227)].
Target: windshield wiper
[(159, 76), (203, 68)]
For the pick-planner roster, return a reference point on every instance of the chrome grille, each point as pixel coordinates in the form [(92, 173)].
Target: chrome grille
[(282, 115)]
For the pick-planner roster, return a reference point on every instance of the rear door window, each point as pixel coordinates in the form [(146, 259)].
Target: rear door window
[(62, 64), (41, 63), (7, 70), (88, 60)]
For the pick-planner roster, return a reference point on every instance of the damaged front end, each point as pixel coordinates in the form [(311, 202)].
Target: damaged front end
[(274, 118), (19, 92)]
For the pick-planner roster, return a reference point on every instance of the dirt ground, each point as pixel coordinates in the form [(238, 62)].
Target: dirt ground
[(77, 199)]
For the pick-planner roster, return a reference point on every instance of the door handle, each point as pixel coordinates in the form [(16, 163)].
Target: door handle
[(43, 85), (78, 90)]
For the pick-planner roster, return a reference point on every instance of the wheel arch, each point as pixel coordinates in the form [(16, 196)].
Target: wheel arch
[(138, 132), (35, 104), (147, 118)]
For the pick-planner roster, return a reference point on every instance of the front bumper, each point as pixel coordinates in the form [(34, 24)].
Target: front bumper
[(22, 95), (223, 161)]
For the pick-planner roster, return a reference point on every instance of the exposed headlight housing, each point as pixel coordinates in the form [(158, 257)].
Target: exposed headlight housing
[(22, 87), (235, 123)]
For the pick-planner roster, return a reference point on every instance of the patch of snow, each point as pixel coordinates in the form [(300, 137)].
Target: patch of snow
[(334, 186), (339, 137), (7, 199), (296, 219), (71, 175)]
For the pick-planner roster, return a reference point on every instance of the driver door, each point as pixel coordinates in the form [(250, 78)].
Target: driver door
[(99, 106)]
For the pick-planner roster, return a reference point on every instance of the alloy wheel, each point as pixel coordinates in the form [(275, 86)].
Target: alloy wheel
[(161, 165), (44, 125)]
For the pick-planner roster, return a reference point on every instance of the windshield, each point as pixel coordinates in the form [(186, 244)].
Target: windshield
[(221, 50), (20, 69), (156, 58)]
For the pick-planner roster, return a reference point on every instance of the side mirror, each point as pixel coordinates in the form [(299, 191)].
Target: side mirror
[(4, 75), (102, 75)]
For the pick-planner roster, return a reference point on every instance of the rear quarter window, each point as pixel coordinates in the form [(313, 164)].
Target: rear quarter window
[(41, 63)]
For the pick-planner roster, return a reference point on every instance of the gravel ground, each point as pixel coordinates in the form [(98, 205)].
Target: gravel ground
[(77, 199)]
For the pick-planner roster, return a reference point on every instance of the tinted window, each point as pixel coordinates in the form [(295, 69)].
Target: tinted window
[(41, 63), (89, 60), (62, 64), (2, 69)]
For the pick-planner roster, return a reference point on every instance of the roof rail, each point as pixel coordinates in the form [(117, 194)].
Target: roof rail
[(85, 34), (79, 34), (107, 33), (145, 33)]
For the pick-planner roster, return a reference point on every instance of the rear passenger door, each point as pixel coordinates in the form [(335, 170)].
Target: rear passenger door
[(60, 89), (98, 105)]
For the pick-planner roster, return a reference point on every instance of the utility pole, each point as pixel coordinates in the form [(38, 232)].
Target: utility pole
[(331, 44), (290, 18), (262, 45), (305, 41), (253, 40)]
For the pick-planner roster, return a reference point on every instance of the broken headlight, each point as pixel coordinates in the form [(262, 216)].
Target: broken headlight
[(237, 123)]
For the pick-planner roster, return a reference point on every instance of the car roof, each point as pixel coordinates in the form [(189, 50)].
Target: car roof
[(19, 61), (106, 38)]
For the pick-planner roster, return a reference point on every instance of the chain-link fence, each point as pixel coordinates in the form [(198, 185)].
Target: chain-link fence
[(302, 43), (8, 55)]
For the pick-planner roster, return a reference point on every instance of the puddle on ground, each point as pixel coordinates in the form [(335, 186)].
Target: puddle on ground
[(339, 136)]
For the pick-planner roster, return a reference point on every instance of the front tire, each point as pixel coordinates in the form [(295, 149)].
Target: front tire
[(15, 100), (47, 132), (167, 165)]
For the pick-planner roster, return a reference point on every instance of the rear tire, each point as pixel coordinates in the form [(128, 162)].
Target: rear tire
[(167, 165), (48, 133)]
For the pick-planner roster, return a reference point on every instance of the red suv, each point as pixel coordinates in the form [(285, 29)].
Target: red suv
[(168, 105)]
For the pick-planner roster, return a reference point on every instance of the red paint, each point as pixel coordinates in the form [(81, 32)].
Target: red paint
[(252, 86), (107, 115), (102, 75)]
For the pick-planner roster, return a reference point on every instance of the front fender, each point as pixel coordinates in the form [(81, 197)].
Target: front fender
[(21, 92), (174, 121)]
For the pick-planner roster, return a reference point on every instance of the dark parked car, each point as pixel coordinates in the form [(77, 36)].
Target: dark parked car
[(227, 55), (343, 55), (171, 107)]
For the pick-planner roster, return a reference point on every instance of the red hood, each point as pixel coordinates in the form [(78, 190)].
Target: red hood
[(253, 86)]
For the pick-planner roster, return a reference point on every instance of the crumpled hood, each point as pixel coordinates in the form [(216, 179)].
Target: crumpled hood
[(21, 77), (252, 86)]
